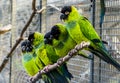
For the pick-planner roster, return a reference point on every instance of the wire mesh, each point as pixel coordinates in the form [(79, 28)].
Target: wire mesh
[(78, 66), (110, 32)]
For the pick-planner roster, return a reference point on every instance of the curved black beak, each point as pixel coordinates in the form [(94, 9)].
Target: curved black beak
[(48, 41), (63, 16), (45, 41), (23, 48)]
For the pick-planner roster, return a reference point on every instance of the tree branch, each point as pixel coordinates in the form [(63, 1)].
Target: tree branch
[(60, 61), (5, 61), (34, 5), (5, 29)]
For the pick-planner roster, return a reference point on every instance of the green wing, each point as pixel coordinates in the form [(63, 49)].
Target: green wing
[(42, 54), (28, 64), (87, 29), (51, 53)]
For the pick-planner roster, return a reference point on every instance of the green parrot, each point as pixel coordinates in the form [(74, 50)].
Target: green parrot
[(56, 75), (80, 29), (28, 61), (49, 48), (65, 42), (52, 53)]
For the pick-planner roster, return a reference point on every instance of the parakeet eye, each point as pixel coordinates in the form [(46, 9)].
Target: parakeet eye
[(31, 40), (67, 13)]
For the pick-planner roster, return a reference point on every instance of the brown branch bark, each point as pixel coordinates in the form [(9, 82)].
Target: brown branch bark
[(5, 61), (60, 61), (34, 5)]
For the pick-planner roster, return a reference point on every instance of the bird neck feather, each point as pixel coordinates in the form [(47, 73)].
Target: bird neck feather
[(38, 40)]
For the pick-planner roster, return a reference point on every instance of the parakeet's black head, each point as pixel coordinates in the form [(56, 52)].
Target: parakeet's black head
[(26, 46), (65, 12), (48, 38), (55, 32), (69, 13), (31, 37)]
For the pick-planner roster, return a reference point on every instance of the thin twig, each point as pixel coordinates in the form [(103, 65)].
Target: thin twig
[(30, 19), (5, 29), (59, 61), (39, 11), (5, 61)]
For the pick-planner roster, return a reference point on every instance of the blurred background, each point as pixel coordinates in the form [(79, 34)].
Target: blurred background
[(17, 13)]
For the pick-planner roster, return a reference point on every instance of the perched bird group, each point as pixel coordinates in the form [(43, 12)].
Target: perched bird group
[(35, 57), (80, 29), (40, 50)]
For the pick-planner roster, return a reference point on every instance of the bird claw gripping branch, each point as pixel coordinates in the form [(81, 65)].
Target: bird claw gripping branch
[(59, 61), (81, 45), (72, 52), (34, 78), (78, 47)]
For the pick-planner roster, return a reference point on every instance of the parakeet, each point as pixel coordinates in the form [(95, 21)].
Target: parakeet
[(37, 41), (28, 59), (60, 34), (56, 75), (49, 48), (80, 29), (66, 43), (52, 53)]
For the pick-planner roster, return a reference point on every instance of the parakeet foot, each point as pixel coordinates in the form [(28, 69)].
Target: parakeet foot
[(59, 61), (81, 45), (72, 52), (45, 69), (33, 79), (78, 47)]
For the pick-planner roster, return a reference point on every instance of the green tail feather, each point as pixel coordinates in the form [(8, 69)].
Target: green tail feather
[(55, 77), (104, 55), (66, 72), (46, 79), (110, 60)]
